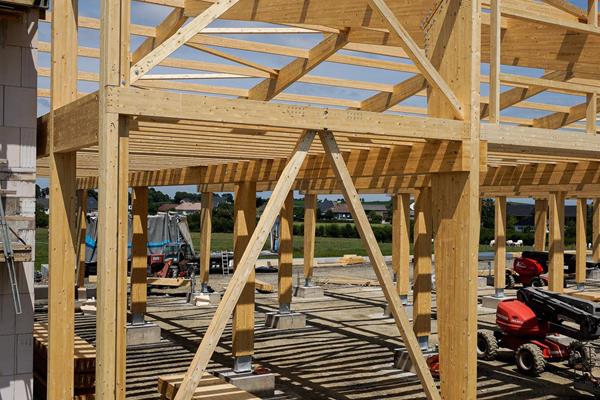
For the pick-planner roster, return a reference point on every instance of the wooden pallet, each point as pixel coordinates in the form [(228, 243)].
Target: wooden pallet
[(84, 358), (210, 387), (22, 252), (263, 287)]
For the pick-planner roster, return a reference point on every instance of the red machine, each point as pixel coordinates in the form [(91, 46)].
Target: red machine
[(526, 271), (533, 326)]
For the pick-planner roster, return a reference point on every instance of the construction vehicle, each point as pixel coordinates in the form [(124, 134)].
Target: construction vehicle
[(175, 262), (541, 327), (526, 271)]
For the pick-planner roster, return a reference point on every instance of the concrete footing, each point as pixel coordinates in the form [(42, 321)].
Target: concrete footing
[(261, 385), (206, 299), (138, 334), (308, 292), (278, 320), (492, 301), (482, 282), (403, 361)]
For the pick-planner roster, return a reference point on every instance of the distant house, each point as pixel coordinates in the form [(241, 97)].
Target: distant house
[(341, 212), (167, 207), (44, 204), (188, 207), (524, 214), (325, 205)]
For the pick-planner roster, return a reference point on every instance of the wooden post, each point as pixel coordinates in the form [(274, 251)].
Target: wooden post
[(205, 239), (243, 315), (593, 12), (63, 204), (378, 262), (237, 283), (500, 253), (401, 244), (541, 222), (596, 231), (286, 254), (556, 249), (139, 253), (495, 46), (82, 198), (422, 267), (453, 35), (310, 225), (113, 217), (581, 243)]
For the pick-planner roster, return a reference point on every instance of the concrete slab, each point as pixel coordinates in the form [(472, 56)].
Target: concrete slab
[(492, 301), (261, 385), (208, 299), (142, 334), (403, 362), (387, 312), (309, 292), (276, 320)]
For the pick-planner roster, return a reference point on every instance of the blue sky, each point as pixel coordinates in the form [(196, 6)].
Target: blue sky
[(147, 14)]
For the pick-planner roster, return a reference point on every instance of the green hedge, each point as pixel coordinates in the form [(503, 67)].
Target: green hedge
[(383, 233)]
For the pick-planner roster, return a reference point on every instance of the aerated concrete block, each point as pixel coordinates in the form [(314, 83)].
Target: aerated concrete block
[(142, 334), (309, 292), (208, 299), (492, 301), (261, 385), (281, 321)]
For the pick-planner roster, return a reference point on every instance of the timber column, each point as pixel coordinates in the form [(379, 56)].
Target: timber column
[(310, 225), (581, 243), (453, 46), (286, 256), (205, 239), (401, 244), (541, 221), (596, 231), (500, 253), (139, 254), (556, 249), (422, 268), (243, 315)]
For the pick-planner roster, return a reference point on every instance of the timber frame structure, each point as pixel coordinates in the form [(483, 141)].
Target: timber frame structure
[(456, 150)]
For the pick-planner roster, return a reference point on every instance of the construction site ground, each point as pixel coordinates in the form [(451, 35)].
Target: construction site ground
[(345, 352)]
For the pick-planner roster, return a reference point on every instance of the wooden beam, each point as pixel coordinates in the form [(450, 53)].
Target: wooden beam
[(401, 244), (286, 254), (541, 222), (452, 34), (205, 236), (556, 250), (417, 56), (591, 113), (500, 251), (269, 88), (245, 268), (243, 315), (385, 100), (570, 8), (139, 252), (164, 30), (423, 270), (63, 240), (581, 242), (495, 63), (310, 225), (596, 231), (377, 261), (179, 38), (592, 13)]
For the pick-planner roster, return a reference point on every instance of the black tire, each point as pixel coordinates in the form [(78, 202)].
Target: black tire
[(537, 282), (510, 281), (487, 345), (530, 359)]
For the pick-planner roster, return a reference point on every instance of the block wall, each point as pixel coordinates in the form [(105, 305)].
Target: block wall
[(18, 108)]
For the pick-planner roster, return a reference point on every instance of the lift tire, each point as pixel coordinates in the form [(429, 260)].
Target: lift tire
[(487, 345), (537, 282), (530, 359), (510, 281)]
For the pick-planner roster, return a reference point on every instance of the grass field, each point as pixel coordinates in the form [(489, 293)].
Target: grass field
[(325, 247)]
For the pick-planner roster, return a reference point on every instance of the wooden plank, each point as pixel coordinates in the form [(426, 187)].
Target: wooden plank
[(541, 222), (164, 30), (63, 204), (179, 38), (310, 226), (244, 224), (377, 261), (556, 249), (139, 250), (581, 242), (401, 243), (500, 237), (210, 387), (422, 264), (417, 55), (263, 286), (245, 268), (205, 235), (286, 254)]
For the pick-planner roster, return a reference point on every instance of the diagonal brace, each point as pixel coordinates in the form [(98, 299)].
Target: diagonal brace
[(244, 268), (417, 56), (332, 152), (179, 38)]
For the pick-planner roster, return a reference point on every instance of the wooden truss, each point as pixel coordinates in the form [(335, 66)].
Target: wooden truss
[(428, 132)]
